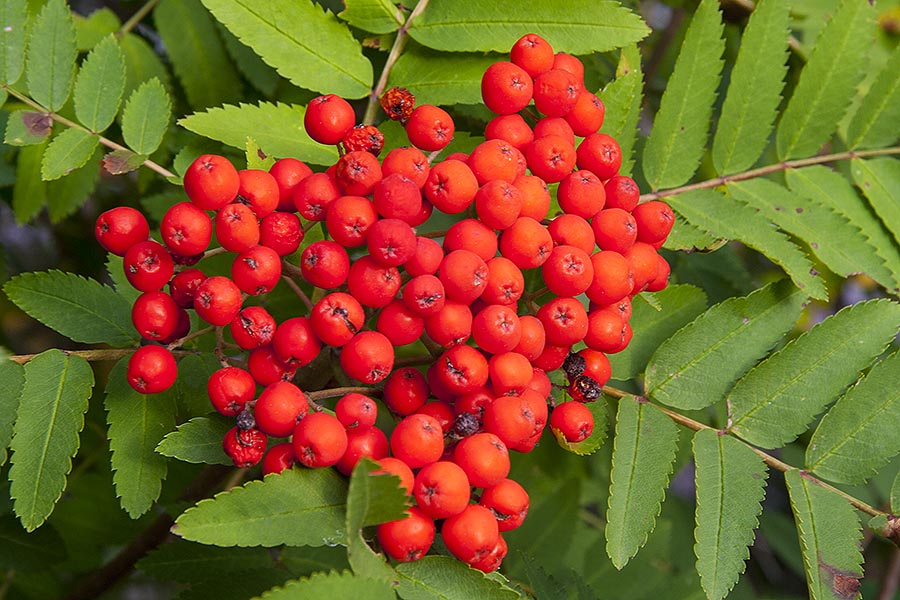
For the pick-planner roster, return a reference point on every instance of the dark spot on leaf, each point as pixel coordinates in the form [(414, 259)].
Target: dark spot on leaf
[(814, 245), (844, 584), (262, 155), (38, 124), (798, 210)]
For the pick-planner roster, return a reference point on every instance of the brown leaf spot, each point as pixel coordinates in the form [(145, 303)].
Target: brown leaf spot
[(120, 162), (38, 124), (844, 584)]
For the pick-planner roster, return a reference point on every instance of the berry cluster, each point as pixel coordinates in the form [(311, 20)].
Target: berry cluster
[(380, 285)]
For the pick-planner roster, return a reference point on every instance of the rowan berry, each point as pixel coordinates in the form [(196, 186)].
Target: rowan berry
[(556, 91), (278, 458), (572, 420), (349, 219), (498, 204), (427, 258), (314, 194), (509, 503), (451, 186), (417, 440), (497, 329), (278, 409), (120, 228), (399, 324), (319, 440), (569, 63), (526, 243), (398, 103), (484, 458), (259, 191), (581, 193), (295, 343), (336, 318), (362, 442), (565, 321), (471, 235), (441, 489), (237, 227), (229, 390), (551, 158), (509, 373), (407, 539), (217, 300), (613, 279), (596, 365), (363, 137), (429, 128), (662, 276), (397, 197), (532, 53), (568, 271), (391, 242), (601, 154), (554, 126), (494, 159), (395, 466), (424, 295), (614, 229), (606, 331), (451, 326), (464, 275), (211, 182), (505, 283), (551, 357), (584, 389), (325, 264), (252, 327), (506, 88), (533, 339), (186, 229), (281, 232), (407, 161), (472, 534), (510, 128), (368, 357), (654, 221), (356, 410), (510, 418), (535, 196), (586, 117), (373, 285), (328, 118), (257, 270), (266, 368), (154, 315), (244, 447), (357, 173), (644, 262), (288, 172), (148, 266), (151, 369)]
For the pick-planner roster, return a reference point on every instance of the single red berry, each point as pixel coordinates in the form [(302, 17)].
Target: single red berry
[(148, 266), (357, 172), (398, 104), (319, 440), (424, 295), (573, 420), (120, 228), (494, 159), (441, 489), (533, 53), (295, 343), (154, 315), (429, 128), (614, 229), (397, 197), (535, 196), (186, 229), (506, 88), (510, 418), (407, 161), (399, 324), (427, 258), (600, 154), (565, 321), (211, 182), (279, 457), (509, 373), (336, 318), (152, 369), (551, 158), (217, 300), (395, 466), (451, 326), (257, 270), (464, 275), (498, 204), (509, 503), (356, 410), (613, 278), (288, 172), (554, 126), (266, 368), (622, 192), (362, 442), (237, 227), (364, 137), (654, 221), (533, 339), (372, 284), (484, 458), (462, 369), (405, 391), (556, 92), (572, 230), (582, 194), (569, 63), (510, 128), (391, 242), (325, 264), (492, 561), (349, 219), (313, 195), (259, 191), (471, 534), (229, 390), (526, 243), (496, 328), (451, 186), (281, 231), (368, 357), (471, 235), (328, 118), (568, 271), (407, 539), (244, 447), (417, 440), (252, 327), (278, 409), (586, 117)]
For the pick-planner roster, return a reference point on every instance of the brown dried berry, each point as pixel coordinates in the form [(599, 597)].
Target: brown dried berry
[(244, 447), (364, 137), (398, 103), (585, 389)]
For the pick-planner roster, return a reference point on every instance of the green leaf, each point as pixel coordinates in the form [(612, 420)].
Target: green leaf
[(141, 63), (622, 100), (877, 122), (862, 431), (594, 441), (13, 18), (730, 480), (51, 56), (198, 441), (66, 195), (723, 216), (29, 191), (29, 552), (146, 117), (68, 151), (441, 78), (777, 399), (830, 538), (332, 585), (116, 272), (136, 424), (577, 26), (895, 494), (99, 85), (751, 105), (262, 76), (12, 381), (49, 419), (445, 578), (316, 52), (678, 138), (373, 499), (676, 306), (828, 82), (92, 29), (196, 52), (298, 507), (689, 238), (256, 158), (186, 562), (841, 246), (374, 16), (27, 127), (826, 186), (879, 179), (81, 309), (277, 128), (644, 451), (688, 370)]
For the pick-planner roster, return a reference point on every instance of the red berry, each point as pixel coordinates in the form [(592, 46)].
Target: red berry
[(397, 196), (510, 128), (407, 161), (451, 186), (328, 118), (229, 389), (336, 318), (462, 369), (120, 228), (278, 409), (533, 53), (266, 368), (441, 489), (186, 230), (484, 458), (349, 219), (319, 440), (551, 158), (295, 343), (252, 327), (280, 457), (508, 501), (424, 295), (417, 440), (288, 172), (556, 92), (506, 88), (363, 137), (391, 242), (244, 447), (586, 117), (654, 221), (325, 264), (313, 195), (152, 369), (573, 420), (429, 128), (472, 534), (368, 357), (395, 466), (496, 329), (281, 232), (407, 539), (399, 324), (356, 410), (621, 192), (148, 266), (357, 173), (362, 442), (601, 154), (405, 391), (582, 194), (211, 182), (237, 227), (217, 300), (154, 315), (372, 284), (398, 103)]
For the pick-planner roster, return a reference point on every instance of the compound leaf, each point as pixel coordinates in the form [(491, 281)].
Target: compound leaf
[(862, 431), (696, 366), (13, 18), (644, 452), (277, 128), (197, 53), (92, 29), (827, 83), (576, 26), (374, 16), (751, 105), (146, 117), (678, 138), (841, 246), (879, 180), (730, 480), (830, 538), (12, 382), (775, 401), (723, 216), (445, 578), (81, 309), (877, 121), (51, 56), (441, 78), (298, 507), (99, 85), (652, 324), (303, 42), (68, 151), (830, 188), (49, 419), (198, 441)]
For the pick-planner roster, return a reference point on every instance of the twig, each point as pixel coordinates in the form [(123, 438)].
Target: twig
[(297, 290), (182, 341), (136, 18), (341, 391), (220, 345), (96, 355)]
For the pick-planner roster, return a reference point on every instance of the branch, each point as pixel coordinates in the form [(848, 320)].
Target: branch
[(97, 355), (768, 170), (136, 18), (60, 119), (396, 51)]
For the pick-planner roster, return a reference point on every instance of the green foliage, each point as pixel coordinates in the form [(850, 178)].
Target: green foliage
[(67, 152), (645, 445), (829, 537), (51, 56), (49, 418), (375, 16), (438, 78), (687, 370), (622, 102), (146, 117), (676, 143), (879, 180), (12, 381), (877, 120), (80, 309), (443, 578), (197, 441), (99, 85), (730, 482), (332, 585), (182, 561), (13, 16)]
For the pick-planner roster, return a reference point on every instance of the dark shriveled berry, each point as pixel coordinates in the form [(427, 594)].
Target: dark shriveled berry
[(464, 425), (245, 420), (585, 389), (398, 104), (574, 365)]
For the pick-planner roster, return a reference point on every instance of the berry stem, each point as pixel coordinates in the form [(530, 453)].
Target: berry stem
[(767, 458), (396, 51), (136, 18), (768, 170), (105, 141), (297, 290), (341, 391), (181, 341), (220, 345)]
